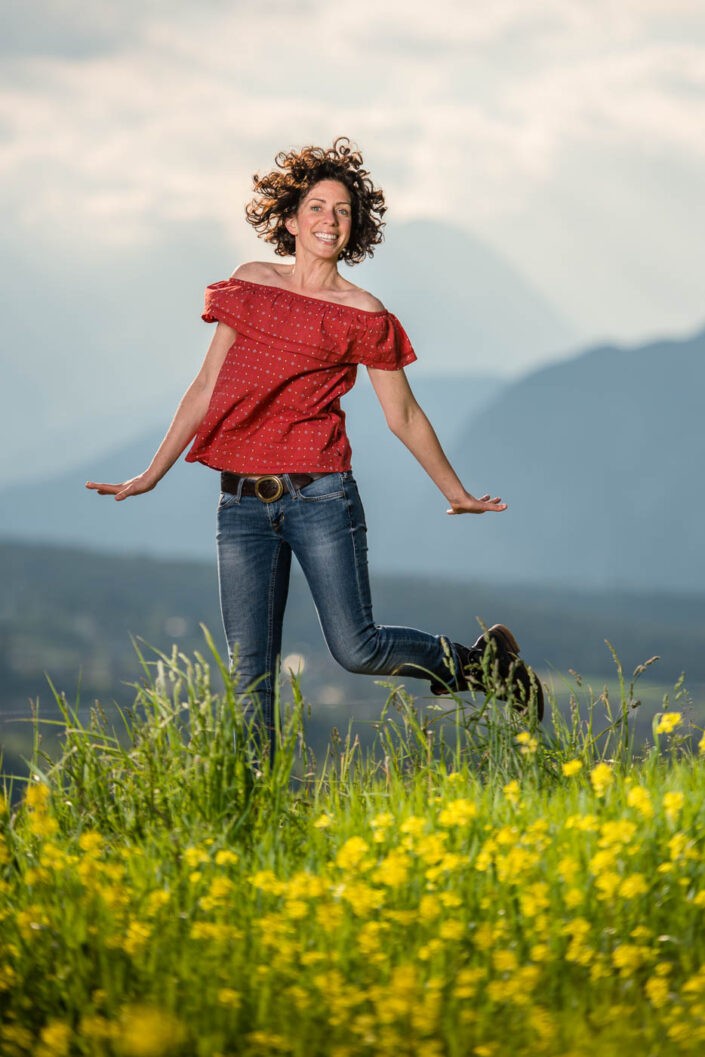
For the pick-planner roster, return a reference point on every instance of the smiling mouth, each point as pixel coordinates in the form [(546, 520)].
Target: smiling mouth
[(326, 238)]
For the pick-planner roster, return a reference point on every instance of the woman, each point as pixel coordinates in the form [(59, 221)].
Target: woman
[(264, 409)]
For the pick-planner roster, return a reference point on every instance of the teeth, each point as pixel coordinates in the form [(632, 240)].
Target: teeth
[(325, 238)]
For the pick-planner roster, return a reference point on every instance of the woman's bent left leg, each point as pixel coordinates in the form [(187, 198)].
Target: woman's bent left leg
[(328, 535)]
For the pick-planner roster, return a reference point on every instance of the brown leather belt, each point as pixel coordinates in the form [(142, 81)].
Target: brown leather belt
[(267, 487)]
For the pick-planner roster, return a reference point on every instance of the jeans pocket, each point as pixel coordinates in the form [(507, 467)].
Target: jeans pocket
[(328, 487), (227, 499)]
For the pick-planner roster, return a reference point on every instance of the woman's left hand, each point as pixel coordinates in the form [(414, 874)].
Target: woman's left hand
[(470, 505)]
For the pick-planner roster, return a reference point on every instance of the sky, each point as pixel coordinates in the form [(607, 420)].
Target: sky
[(568, 137)]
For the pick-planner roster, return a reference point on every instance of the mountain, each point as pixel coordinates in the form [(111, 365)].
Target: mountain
[(600, 459), (462, 303)]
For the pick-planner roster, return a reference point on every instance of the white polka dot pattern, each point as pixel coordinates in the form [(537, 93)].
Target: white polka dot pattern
[(275, 407)]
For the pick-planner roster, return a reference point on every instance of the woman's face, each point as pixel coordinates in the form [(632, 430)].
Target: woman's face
[(323, 221)]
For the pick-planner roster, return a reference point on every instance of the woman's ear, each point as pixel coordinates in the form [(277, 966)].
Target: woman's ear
[(291, 225)]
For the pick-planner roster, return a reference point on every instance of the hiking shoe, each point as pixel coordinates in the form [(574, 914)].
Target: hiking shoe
[(493, 665)]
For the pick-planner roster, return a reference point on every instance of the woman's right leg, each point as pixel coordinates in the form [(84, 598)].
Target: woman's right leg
[(253, 571)]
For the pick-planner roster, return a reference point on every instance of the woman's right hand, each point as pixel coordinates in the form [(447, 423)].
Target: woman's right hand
[(145, 482)]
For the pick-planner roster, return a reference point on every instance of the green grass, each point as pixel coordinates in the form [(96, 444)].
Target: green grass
[(473, 885)]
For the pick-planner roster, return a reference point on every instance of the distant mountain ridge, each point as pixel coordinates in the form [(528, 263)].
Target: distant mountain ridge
[(461, 302), (601, 460)]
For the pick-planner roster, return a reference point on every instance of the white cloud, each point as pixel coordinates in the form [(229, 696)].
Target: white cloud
[(464, 110)]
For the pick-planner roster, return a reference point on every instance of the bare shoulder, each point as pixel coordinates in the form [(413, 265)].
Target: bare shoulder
[(356, 297), (256, 272)]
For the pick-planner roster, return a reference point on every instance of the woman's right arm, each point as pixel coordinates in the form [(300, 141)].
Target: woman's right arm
[(188, 417)]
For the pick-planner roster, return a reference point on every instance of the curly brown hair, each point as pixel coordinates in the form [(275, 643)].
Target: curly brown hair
[(279, 195)]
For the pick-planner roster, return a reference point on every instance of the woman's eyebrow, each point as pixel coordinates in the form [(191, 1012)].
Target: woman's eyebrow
[(342, 202)]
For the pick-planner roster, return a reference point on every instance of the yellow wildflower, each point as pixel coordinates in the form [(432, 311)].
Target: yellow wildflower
[(329, 916), (633, 886), (352, 853), (668, 722), (267, 881), (305, 885), (90, 841), (572, 767), (228, 997), (393, 870), (507, 836), (384, 820), (413, 826), (672, 805), (55, 1040), (486, 936), (451, 900), (226, 857), (657, 991), (457, 813), (194, 857), (370, 936), (157, 899), (601, 778), (679, 847), (145, 1031), (573, 898), (451, 929), (361, 897), (583, 823), (428, 908), (616, 832), (639, 798), (431, 847), (136, 938), (466, 982), (568, 868), (323, 822), (701, 746), (534, 899), (504, 961), (607, 884), (628, 957), (528, 744)]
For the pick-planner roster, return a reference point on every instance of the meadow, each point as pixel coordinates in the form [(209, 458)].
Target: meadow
[(473, 884)]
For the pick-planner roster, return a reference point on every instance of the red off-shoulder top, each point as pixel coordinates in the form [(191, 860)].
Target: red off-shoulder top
[(275, 407)]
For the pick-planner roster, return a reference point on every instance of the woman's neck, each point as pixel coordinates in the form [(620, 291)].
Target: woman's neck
[(314, 275)]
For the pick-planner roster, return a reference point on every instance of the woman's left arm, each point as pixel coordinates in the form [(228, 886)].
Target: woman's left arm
[(408, 422)]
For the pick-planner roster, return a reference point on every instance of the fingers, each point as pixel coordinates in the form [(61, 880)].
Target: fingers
[(103, 488), (483, 505)]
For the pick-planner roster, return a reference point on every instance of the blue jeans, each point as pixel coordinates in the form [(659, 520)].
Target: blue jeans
[(323, 524)]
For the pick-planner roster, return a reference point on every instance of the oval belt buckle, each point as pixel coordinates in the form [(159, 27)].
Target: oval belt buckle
[(278, 488)]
